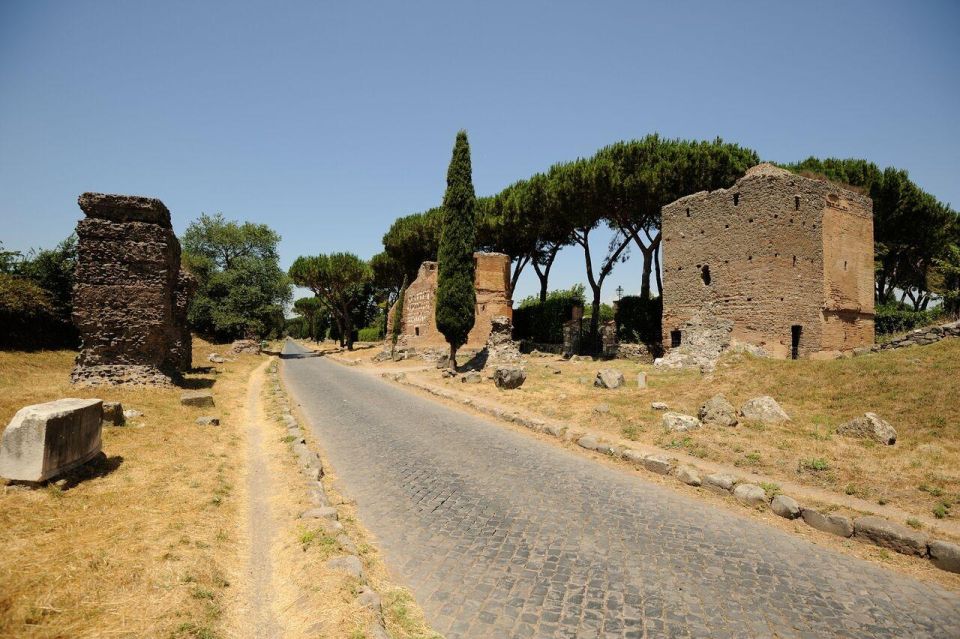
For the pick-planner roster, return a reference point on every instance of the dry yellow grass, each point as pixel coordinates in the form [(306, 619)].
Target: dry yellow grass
[(914, 389), (142, 548)]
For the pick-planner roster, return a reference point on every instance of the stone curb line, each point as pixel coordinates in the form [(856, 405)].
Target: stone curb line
[(881, 532), (311, 467)]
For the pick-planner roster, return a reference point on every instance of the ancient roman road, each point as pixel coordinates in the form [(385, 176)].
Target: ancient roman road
[(499, 534)]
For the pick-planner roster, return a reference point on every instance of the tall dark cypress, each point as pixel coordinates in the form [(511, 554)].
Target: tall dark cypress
[(456, 296)]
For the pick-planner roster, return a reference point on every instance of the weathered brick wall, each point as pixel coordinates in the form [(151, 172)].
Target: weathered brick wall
[(126, 307), (491, 280), (761, 246)]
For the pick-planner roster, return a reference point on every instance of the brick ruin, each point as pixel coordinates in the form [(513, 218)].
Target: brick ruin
[(778, 261), (130, 296), (418, 324)]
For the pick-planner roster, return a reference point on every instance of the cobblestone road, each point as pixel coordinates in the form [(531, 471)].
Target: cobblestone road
[(501, 535)]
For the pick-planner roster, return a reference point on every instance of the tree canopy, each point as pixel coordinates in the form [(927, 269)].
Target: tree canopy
[(241, 288), (341, 283)]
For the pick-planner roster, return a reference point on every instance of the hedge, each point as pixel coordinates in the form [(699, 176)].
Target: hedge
[(370, 334), (543, 321), (897, 319), (639, 320)]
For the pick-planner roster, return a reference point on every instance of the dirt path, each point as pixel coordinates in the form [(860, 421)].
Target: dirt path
[(261, 525)]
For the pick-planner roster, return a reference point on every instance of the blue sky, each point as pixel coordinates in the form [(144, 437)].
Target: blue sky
[(329, 120)]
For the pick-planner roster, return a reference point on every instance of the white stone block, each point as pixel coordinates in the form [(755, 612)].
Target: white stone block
[(45, 440)]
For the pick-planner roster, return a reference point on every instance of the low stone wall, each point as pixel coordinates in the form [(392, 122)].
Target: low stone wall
[(916, 337)]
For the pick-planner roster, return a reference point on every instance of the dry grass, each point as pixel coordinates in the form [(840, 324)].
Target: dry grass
[(914, 389), (141, 548)]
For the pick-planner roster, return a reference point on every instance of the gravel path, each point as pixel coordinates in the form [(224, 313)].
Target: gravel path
[(501, 535)]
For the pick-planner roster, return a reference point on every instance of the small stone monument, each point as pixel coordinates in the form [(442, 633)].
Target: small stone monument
[(46, 440)]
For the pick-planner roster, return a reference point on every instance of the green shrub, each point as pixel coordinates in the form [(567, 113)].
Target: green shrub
[(894, 318), (543, 321), (370, 334), (639, 319), (28, 316)]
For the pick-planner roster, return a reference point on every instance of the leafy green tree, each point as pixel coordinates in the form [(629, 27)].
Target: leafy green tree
[(414, 239), (27, 314), (311, 310), (241, 288), (53, 271), (456, 298), (341, 282), (911, 228)]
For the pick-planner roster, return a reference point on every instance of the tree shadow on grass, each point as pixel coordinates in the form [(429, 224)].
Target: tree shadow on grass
[(99, 466), (195, 383)]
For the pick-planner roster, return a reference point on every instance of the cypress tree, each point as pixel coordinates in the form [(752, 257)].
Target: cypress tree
[(398, 314), (456, 297)]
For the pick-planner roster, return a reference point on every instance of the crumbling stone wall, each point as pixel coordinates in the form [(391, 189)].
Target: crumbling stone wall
[(418, 324), (786, 259), (130, 296)]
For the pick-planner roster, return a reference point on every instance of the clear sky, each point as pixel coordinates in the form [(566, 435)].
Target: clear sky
[(328, 120)]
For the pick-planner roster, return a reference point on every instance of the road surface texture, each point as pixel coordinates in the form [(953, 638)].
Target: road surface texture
[(499, 534)]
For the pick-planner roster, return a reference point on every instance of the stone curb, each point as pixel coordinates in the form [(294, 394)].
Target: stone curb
[(311, 466), (873, 530)]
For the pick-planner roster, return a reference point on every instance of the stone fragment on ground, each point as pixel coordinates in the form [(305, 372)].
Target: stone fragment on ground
[(349, 564), (658, 464), (132, 413), (786, 507), (717, 411), (471, 377), (216, 359), (608, 378), (602, 408), (200, 398), (833, 524), (113, 414), (869, 426), (208, 420), (679, 423), (659, 405), (509, 377), (641, 380), (750, 495), (890, 535), (369, 599), (765, 410), (945, 555), (43, 441), (324, 512), (720, 482), (689, 475)]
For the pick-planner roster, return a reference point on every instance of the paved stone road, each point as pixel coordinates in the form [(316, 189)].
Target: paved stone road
[(501, 535)]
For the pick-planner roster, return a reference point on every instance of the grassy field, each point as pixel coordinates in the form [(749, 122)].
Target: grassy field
[(915, 389), (143, 545)]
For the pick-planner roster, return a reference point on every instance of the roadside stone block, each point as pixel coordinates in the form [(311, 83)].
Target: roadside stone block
[(208, 420), (750, 495), (46, 440), (765, 410), (608, 378), (658, 464), (349, 564), (891, 535), (509, 377), (689, 475), (720, 482), (786, 507), (203, 399), (833, 524), (869, 426), (945, 555)]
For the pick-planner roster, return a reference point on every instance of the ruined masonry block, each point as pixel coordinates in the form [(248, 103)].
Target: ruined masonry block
[(130, 296), (46, 440), (202, 399)]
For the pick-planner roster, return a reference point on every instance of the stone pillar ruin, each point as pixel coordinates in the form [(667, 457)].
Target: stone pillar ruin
[(130, 296)]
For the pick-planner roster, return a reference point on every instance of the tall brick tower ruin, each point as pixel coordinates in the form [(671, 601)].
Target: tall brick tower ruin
[(779, 260)]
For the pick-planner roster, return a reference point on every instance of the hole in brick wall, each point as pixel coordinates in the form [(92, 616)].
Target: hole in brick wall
[(751, 220), (705, 274), (688, 211), (416, 331), (791, 220), (701, 231), (844, 265), (796, 202), (776, 255), (794, 260), (814, 226), (749, 299), (675, 338), (726, 226), (736, 199), (775, 216), (749, 258), (795, 332)]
